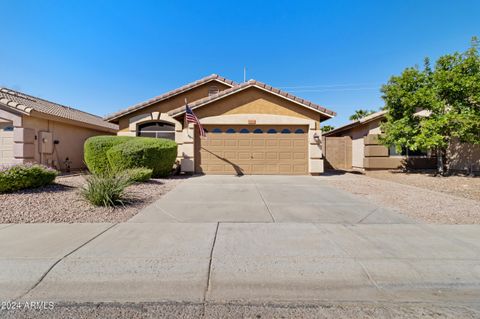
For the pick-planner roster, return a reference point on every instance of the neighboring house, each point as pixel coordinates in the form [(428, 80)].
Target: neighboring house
[(35, 130), (252, 128), (355, 145)]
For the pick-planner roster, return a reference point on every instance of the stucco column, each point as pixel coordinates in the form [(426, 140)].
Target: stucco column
[(23, 144), (188, 149), (315, 154)]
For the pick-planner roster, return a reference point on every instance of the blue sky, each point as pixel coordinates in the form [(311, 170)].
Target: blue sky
[(102, 56)]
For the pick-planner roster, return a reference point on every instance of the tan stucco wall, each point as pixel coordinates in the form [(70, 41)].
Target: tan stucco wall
[(377, 157), (6, 143), (463, 157), (173, 102), (376, 151), (71, 139), (256, 101)]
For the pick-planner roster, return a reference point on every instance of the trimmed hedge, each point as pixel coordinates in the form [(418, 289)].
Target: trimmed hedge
[(25, 176), (95, 152), (139, 175), (154, 153)]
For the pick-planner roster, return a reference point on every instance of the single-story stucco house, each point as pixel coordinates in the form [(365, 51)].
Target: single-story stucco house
[(36, 130), (251, 128), (356, 146)]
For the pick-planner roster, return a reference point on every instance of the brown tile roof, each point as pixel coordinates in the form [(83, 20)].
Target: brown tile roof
[(26, 104), (356, 123), (254, 83), (213, 77)]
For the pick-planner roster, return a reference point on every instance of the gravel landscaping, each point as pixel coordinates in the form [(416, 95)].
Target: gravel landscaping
[(62, 203), (462, 186), (424, 204)]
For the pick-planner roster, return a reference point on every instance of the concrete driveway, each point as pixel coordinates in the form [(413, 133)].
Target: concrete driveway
[(280, 199), (249, 242)]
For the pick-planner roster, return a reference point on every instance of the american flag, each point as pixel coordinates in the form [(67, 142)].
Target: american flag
[(192, 118)]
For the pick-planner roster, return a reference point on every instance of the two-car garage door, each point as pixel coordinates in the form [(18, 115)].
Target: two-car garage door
[(252, 149)]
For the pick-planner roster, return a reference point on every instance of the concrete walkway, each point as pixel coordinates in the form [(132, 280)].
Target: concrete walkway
[(247, 262), (281, 199)]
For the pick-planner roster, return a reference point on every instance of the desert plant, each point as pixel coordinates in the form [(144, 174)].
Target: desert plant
[(154, 153), (23, 176), (139, 175), (95, 150), (106, 190), (360, 114), (327, 128)]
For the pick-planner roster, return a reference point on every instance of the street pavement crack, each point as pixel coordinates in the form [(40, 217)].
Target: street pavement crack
[(7, 226), (62, 258), (364, 268), (207, 288), (169, 215), (264, 202), (368, 215)]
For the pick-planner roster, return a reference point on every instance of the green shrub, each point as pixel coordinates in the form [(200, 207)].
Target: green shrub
[(139, 175), (105, 190), (25, 176), (155, 153), (95, 152)]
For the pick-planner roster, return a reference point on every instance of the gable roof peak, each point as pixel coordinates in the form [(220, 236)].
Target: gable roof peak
[(170, 94), (254, 83)]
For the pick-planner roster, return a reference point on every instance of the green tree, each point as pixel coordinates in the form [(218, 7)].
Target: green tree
[(449, 95), (359, 114), (327, 128)]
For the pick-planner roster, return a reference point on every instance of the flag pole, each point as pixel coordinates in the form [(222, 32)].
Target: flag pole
[(185, 122)]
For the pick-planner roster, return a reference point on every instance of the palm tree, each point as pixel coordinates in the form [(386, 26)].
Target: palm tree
[(327, 128), (359, 114)]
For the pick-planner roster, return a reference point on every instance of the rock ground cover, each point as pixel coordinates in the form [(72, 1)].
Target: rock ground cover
[(62, 203), (426, 199), (461, 186)]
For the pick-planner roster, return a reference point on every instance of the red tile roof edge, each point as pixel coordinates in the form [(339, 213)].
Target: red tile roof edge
[(169, 94)]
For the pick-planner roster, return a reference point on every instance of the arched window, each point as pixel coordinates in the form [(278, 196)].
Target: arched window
[(216, 130), (244, 131), (258, 131), (157, 130), (230, 131), (286, 131), (299, 131), (272, 131)]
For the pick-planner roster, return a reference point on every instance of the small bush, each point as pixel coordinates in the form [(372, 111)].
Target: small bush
[(95, 152), (154, 153), (139, 175), (23, 176), (105, 190)]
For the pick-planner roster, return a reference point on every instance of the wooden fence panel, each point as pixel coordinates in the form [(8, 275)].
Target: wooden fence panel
[(338, 152)]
